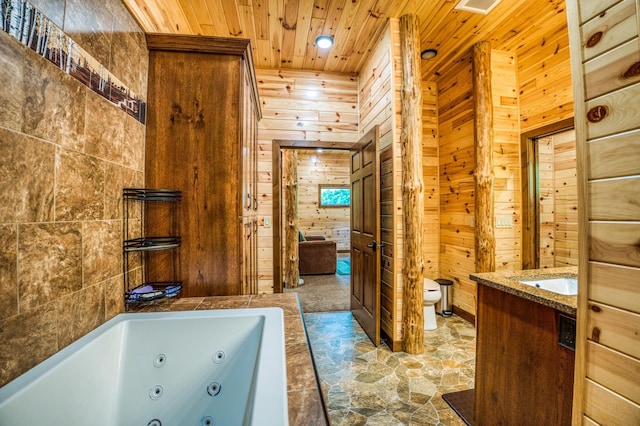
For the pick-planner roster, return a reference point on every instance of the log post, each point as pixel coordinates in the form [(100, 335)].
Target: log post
[(290, 181), (485, 242), (412, 187)]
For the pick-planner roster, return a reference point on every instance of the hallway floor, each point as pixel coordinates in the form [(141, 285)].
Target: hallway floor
[(365, 385)]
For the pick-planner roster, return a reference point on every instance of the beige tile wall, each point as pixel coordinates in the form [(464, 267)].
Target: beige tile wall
[(65, 154)]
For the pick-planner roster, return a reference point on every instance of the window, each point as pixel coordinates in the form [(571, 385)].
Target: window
[(334, 196)]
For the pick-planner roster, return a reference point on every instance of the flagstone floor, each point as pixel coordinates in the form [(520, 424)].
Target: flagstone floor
[(365, 385)]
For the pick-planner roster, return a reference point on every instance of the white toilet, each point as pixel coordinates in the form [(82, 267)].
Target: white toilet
[(432, 296)]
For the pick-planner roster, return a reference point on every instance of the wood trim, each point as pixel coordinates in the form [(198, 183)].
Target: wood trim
[(196, 43), (464, 314), (528, 163), (276, 172), (582, 313)]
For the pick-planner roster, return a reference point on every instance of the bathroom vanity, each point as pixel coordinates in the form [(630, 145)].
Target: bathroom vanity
[(524, 360)]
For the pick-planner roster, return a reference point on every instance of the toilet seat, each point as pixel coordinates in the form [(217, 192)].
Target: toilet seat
[(431, 285), (432, 295)]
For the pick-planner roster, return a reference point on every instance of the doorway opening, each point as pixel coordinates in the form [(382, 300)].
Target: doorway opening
[(323, 222), (549, 197)]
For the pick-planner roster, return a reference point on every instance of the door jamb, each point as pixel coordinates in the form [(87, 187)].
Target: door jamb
[(276, 173), (528, 165)]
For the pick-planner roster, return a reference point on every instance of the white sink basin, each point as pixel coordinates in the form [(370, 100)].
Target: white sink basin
[(566, 286)]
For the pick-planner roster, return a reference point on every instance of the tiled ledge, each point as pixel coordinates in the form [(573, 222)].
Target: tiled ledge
[(305, 403), (509, 282)]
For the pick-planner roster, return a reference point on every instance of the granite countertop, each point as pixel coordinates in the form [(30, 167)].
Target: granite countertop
[(305, 402), (508, 281)]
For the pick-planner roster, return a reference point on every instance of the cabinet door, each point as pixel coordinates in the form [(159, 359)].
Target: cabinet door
[(192, 145)]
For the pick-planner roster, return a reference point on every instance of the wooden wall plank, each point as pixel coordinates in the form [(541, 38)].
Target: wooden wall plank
[(615, 285), (615, 242), (620, 112), (614, 199), (608, 408), (615, 328), (614, 370), (614, 156), (606, 73)]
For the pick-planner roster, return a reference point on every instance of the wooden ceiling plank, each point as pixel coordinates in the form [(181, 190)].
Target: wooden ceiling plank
[(216, 18), (303, 27), (341, 50), (139, 10), (368, 34), (320, 8), (289, 24), (276, 10), (353, 18), (470, 31), (232, 18), (313, 53), (248, 24), (516, 36), (262, 58), (261, 19), (514, 26), (191, 15), (167, 16), (334, 12)]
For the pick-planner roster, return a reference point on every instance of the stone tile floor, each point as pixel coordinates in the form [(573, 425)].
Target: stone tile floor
[(365, 385)]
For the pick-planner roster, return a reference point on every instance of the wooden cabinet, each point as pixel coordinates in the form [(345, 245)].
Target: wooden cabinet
[(202, 115), (523, 376)]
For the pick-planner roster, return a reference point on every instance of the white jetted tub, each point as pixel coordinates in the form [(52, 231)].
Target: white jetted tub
[(224, 367)]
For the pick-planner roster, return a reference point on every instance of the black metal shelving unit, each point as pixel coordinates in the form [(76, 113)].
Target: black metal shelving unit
[(140, 244)]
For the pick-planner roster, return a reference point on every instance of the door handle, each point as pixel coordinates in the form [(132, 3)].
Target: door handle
[(374, 245)]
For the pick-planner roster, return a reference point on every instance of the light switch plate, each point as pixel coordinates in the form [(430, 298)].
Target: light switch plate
[(267, 221), (504, 222)]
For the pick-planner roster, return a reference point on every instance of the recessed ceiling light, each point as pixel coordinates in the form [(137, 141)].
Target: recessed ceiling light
[(324, 42), (429, 53)]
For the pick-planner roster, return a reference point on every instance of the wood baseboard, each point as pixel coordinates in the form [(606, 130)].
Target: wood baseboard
[(464, 314), (396, 345)]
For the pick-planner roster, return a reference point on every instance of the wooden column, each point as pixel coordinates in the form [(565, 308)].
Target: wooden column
[(290, 184), (412, 187), (485, 242)]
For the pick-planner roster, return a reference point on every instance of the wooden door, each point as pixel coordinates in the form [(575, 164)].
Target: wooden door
[(365, 257)]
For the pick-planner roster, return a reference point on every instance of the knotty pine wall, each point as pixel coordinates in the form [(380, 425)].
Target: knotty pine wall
[(544, 78), (506, 160), (298, 105), (431, 180), (457, 163), (318, 168)]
